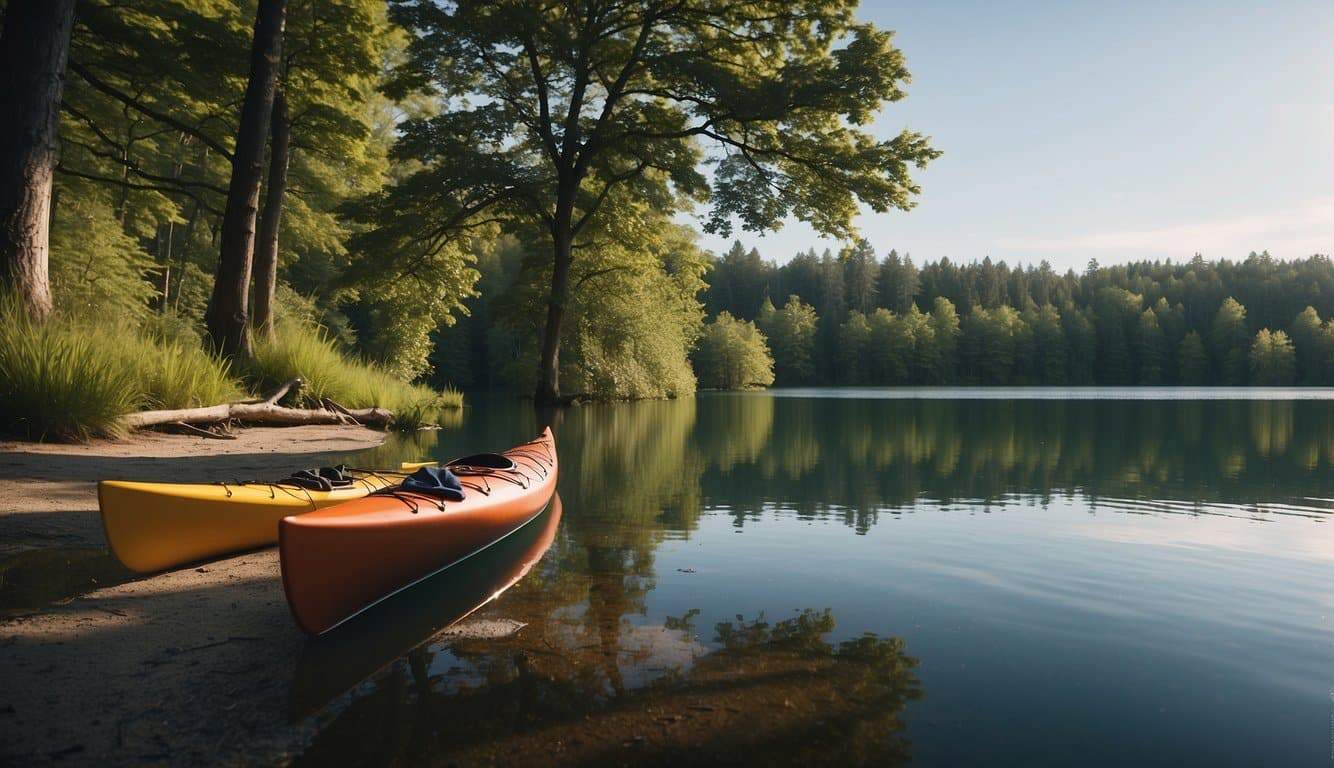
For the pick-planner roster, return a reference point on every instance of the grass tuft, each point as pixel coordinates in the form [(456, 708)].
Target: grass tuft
[(65, 380), (306, 351), (61, 382), (177, 374)]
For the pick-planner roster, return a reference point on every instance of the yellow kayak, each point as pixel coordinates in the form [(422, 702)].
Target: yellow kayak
[(154, 526)]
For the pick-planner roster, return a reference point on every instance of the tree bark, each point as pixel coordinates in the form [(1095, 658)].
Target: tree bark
[(548, 368), (33, 49), (228, 307), (266, 253)]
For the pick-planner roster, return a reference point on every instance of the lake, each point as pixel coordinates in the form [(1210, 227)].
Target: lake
[(871, 577)]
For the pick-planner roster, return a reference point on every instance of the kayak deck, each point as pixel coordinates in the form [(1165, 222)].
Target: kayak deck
[(340, 560), (155, 526)]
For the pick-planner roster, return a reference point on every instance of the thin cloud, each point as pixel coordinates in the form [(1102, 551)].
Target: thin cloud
[(1295, 231)]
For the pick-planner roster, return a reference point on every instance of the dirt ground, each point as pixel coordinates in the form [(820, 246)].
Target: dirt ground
[(189, 667)]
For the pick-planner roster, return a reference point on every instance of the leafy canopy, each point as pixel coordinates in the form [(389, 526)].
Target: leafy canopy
[(548, 109)]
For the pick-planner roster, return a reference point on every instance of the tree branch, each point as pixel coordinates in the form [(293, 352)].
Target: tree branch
[(61, 168), (143, 109)]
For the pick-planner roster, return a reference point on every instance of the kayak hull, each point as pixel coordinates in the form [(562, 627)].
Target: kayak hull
[(339, 561), (155, 526), (359, 648)]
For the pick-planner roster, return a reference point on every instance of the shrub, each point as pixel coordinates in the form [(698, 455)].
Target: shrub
[(732, 354), (67, 379)]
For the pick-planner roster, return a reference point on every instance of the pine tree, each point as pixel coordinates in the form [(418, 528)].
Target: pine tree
[(1192, 361), (1231, 342), (1273, 361)]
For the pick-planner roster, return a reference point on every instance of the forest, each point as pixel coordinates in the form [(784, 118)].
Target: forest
[(855, 318), (202, 199)]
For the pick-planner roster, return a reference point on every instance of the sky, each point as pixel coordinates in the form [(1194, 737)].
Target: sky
[(1111, 130)]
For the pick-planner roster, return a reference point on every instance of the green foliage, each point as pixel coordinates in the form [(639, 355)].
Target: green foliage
[(1127, 324), (1231, 341), (854, 340), (632, 319), (737, 283), (308, 352), (173, 373), (97, 271), (1273, 359), (59, 380), (1192, 360), (791, 93), (1048, 362), (861, 272), (890, 348), (1152, 346), (521, 139), (400, 313), (791, 333), (945, 332), (72, 378), (1314, 343), (733, 354)]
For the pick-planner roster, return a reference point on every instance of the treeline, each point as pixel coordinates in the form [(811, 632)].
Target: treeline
[(855, 318)]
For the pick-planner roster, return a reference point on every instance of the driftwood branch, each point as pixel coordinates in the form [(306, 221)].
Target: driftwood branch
[(266, 411), (282, 391), (193, 430)]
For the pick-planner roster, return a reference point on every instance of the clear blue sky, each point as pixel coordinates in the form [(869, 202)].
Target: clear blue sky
[(1109, 130)]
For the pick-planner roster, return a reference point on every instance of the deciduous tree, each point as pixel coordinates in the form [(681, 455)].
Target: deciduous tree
[(549, 109)]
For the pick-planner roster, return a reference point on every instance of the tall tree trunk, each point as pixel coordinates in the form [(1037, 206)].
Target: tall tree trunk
[(33, 48), (266, 253), (548, 369), (229, 305)]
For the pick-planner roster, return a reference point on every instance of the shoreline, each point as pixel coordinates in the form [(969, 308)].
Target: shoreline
[(110, 673)]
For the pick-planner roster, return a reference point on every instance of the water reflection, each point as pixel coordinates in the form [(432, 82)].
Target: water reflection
[(857, 459), (337, 661), (621, 658), (773, 693)]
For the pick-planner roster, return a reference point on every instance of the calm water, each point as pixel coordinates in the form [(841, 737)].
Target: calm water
[(802, 577)]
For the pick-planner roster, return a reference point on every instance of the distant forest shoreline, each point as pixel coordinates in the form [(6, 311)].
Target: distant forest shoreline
[(855, 319)]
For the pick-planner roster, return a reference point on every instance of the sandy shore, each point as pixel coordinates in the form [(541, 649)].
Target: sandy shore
[(189, 667)]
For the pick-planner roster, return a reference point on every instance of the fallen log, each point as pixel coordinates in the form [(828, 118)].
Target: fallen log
[(266, 411)]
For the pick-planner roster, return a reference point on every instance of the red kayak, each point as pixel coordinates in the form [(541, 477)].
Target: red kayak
[(340, 659), (339, 561)]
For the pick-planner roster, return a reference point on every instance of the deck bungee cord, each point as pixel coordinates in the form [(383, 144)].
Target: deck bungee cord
[(472, 467)]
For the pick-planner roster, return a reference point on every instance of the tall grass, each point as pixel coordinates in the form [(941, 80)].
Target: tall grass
[(61, 382), (179, 374), (64, 379), (304, 350)]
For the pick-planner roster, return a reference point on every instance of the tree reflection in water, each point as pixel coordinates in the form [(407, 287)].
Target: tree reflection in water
[(772, 694), (593, 677)]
